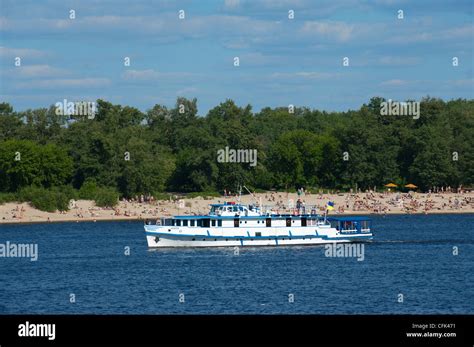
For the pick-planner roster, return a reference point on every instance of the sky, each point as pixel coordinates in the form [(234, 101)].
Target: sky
[(283, 61)]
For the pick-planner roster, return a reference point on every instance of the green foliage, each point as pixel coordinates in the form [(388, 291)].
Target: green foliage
[(24, 163), (88, 190), (49, 200), (106, 197), (164, 149), (103, 196), (7, 197), (161, 196)]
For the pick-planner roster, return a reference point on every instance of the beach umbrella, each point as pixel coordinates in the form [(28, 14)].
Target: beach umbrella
[(391, 185), (411, 186)]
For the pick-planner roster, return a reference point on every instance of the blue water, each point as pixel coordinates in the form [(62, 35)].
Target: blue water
[(410, 255)]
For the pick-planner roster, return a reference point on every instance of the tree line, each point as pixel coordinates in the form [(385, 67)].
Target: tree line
[(130, 152)]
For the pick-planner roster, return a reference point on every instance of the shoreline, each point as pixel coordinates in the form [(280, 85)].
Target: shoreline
[(137, 219), (346, 204)]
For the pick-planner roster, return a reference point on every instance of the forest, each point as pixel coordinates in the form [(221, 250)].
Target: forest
[(124, 152)]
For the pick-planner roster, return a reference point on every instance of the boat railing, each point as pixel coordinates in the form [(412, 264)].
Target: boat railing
[(349, 231), (280, 210), (354, 231), (153, 222)]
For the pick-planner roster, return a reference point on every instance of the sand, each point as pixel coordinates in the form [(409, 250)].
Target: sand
[(281, 202)]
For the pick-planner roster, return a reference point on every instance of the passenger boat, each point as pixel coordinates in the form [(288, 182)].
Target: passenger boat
[(233, 224)]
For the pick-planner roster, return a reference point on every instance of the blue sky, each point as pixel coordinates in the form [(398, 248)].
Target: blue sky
[(282, 61)]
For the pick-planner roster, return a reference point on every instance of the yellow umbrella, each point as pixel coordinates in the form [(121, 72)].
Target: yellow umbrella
[(412, 186), (391, 185)]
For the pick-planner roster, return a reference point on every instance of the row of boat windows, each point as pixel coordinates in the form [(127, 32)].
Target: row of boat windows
[(233, 208), (205, 223), (242, 239), (192, 222), (350, 225)]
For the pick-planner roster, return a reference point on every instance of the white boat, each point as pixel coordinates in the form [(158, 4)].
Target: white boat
[(231, 225)]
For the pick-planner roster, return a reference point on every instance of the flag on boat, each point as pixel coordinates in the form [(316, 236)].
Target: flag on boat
[(330, 205)]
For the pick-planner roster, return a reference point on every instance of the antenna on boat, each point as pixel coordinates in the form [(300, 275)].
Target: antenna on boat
[(253, 196), (240, 192)]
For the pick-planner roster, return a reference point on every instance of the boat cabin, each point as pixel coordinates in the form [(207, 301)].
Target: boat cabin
[(233, 209), (351, 224)]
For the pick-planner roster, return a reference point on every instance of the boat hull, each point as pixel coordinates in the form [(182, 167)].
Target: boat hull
[(167, 240)]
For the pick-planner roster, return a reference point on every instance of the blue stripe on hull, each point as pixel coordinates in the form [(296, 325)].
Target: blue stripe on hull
[(323, 237)]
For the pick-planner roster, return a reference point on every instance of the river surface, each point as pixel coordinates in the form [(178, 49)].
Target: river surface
[(416, 264)]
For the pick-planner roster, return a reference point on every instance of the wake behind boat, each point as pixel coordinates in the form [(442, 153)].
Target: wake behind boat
[(231, 224)]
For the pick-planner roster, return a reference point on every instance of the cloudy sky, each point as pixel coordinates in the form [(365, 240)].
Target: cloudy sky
[(282, 61)]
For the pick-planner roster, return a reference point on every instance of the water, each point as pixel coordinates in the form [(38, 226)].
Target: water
[(411, 255)]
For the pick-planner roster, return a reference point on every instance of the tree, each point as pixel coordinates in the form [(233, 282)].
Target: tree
[(24, 163)]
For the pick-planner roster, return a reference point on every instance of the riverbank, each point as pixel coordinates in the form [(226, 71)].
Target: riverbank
[(278, 202)]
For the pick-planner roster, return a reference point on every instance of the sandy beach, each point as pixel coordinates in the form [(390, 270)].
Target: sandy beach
[(278, 202)]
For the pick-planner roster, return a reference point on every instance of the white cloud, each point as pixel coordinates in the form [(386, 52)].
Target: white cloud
[(331, 30), (163, 26), (10, 52), (231, 4), (186, 91), (466, 31), (153, 75), (65, 83), (411, 37), (397, 83), (462, 83), (398, 61), (237, 44), (425, 33), (311, 75), (35, 71)]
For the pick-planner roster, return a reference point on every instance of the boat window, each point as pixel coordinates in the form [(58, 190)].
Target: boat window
[(185, 223), (178, 223), (229, 209), (235, 209), (206, 223), (219, 223), (236, 223), (269, 222), (347, 225), (199, 222), (213, 222), (192, 222), (303, 222), (288, 222)]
